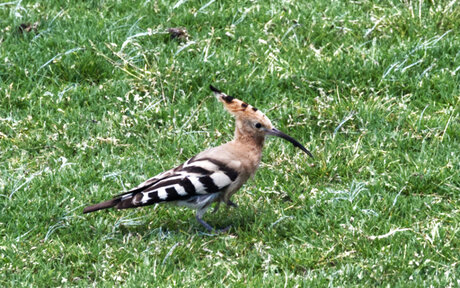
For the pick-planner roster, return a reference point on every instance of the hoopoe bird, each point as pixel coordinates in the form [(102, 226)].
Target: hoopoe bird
[(212, 176)]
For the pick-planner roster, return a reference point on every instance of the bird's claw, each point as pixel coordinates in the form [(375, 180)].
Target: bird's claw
[(210, 228), (231, 204), (224, 230)]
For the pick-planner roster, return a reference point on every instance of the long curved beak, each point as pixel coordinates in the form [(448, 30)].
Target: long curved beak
[(278, 133)]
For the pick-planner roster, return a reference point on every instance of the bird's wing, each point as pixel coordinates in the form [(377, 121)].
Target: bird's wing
[(197, 176), (151, 181)]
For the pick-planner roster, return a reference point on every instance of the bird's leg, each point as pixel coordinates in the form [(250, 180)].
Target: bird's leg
[(223, 230), (209, 227), (202, 222)]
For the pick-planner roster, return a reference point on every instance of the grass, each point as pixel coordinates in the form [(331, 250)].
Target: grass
[(98, 98)]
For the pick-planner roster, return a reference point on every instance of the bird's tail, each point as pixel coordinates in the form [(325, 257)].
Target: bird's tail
[(102, 205), (122, 201)]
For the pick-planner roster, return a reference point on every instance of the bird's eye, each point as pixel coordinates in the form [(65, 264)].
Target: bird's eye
[(258, 125)]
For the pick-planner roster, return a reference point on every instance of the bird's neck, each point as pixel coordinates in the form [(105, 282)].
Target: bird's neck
[(249, 150), (255, 142)]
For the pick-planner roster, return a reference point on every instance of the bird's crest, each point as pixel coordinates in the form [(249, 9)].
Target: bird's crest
[(240, 109)]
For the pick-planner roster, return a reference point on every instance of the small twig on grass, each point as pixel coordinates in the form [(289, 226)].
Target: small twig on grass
[(279, 220), (352, 113), (350, 195), (53, 228), (205, 6), (170, 252), (447, 125), (392, 231), (184, 47), (396, 198), (411, 65), (420, 118), (290, 30), (62, 222), (58, 56), (149, 32), (125, 221), (49, 25), (369, 31), (23, 235), (180, 2), (28, 180)]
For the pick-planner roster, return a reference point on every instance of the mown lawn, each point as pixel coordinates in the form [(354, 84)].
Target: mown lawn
[(95, 96)]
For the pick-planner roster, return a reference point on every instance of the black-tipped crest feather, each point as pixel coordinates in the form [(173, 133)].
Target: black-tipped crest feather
[(214, 89)]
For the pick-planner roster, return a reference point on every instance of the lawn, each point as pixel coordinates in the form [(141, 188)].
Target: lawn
[(97, 96)]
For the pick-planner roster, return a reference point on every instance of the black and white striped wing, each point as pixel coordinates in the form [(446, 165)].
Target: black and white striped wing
[(195, 177)]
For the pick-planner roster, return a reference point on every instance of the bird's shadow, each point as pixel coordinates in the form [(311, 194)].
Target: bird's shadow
[(238, 222)]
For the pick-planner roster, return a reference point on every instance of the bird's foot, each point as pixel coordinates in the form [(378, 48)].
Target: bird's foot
[(210, 228), (231, 204), (224, 230)]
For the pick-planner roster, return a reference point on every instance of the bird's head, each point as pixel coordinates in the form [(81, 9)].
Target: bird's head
[(251, 121)]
